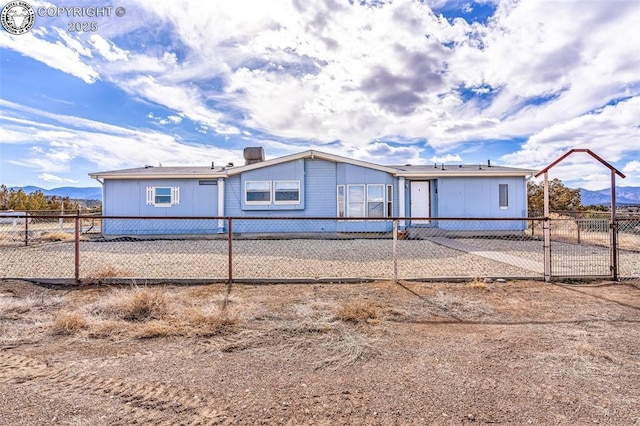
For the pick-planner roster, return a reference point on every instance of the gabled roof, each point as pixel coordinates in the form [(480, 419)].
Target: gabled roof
[(409, 171)]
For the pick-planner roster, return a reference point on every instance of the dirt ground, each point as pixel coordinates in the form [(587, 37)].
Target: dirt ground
[(325, 354)]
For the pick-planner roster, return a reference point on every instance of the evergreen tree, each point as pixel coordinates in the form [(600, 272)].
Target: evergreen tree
[(561, 198), (4, 197)]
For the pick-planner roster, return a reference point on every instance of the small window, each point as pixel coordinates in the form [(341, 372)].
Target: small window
[(503, 194), (375, 201), (258, 192), (160, 196), (341, 212), (286, 192), (389, 200), (355, 201)]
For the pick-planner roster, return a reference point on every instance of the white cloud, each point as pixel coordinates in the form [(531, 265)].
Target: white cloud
[(48, 177), (108, 49), (340, 76), (449, 158), (54, 148), (55, 55)]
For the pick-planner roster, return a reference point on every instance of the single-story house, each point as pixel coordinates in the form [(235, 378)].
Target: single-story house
[(311, 184)]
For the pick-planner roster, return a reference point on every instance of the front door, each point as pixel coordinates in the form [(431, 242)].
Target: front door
[(420, 202)]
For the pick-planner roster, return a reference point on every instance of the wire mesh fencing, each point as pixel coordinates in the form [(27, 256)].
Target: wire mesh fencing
[(93, 249)]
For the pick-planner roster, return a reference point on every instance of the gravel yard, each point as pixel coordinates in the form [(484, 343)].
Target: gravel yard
[(305, 259)]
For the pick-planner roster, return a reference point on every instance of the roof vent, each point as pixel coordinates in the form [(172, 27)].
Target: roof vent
[(253, 154), (488, 163)]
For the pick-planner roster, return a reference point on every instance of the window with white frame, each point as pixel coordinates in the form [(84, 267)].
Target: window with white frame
[(375, 201), (355, 200), (163, 196), (503, 195), (286, 192), (258, 192), (341, 201)]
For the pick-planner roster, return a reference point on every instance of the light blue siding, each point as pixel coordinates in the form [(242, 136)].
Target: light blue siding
[(478, 197), (349, 174), (318, 192), (129, 198), (290, 171)]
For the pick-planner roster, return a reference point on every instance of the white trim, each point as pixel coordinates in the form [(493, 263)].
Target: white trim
[(289, 202), (220, 203), (364, 200), (505, 206), (174, 196), (344, 201), (401, 201), (313, 155), (254, 203), (383, 187)]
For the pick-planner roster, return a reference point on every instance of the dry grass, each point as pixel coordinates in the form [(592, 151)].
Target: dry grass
[(26, 319), (358, 311), (108, 272), (478, 283), (57, 236), (137, 305), (66, 323), (210, 322)]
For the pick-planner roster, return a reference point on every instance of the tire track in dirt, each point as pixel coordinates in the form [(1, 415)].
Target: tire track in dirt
[(144, 403)]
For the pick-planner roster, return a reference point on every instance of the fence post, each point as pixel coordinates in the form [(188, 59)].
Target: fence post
[(547, 231), (395, 251), (77, 248), (26, 228), (578, 223), (230, 251)]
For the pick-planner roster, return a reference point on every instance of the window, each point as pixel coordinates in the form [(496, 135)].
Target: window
[(341, 211), (355, 200), (503, 194), (365, 200), (286, 192), (258, 192), (375, 201), (163, 196)]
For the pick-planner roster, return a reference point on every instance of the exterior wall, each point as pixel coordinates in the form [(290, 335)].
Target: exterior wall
[(479, 197), (471, 197), (349, 174), (129, 198), (318, 179), (318, 198)]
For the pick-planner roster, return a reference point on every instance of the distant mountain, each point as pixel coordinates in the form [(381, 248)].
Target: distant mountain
[(624, 195), (75, 193)]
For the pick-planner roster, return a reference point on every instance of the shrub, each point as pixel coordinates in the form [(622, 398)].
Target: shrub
[(358, 311), (68, 323)]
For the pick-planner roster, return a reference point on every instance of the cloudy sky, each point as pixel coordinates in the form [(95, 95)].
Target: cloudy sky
[(183, 82)]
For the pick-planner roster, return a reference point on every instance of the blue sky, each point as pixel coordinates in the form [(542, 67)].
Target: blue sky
[(393, 82)]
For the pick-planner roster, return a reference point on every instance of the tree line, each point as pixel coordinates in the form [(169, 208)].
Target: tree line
[(11, 199)]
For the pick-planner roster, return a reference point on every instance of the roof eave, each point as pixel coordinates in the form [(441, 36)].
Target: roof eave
[(126, 176), (474, 173), (313, 155)]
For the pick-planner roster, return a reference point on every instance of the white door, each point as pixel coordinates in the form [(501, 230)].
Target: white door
[(420, 202)]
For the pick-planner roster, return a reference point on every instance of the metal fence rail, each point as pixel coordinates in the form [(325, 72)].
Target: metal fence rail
[(102, 248)]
